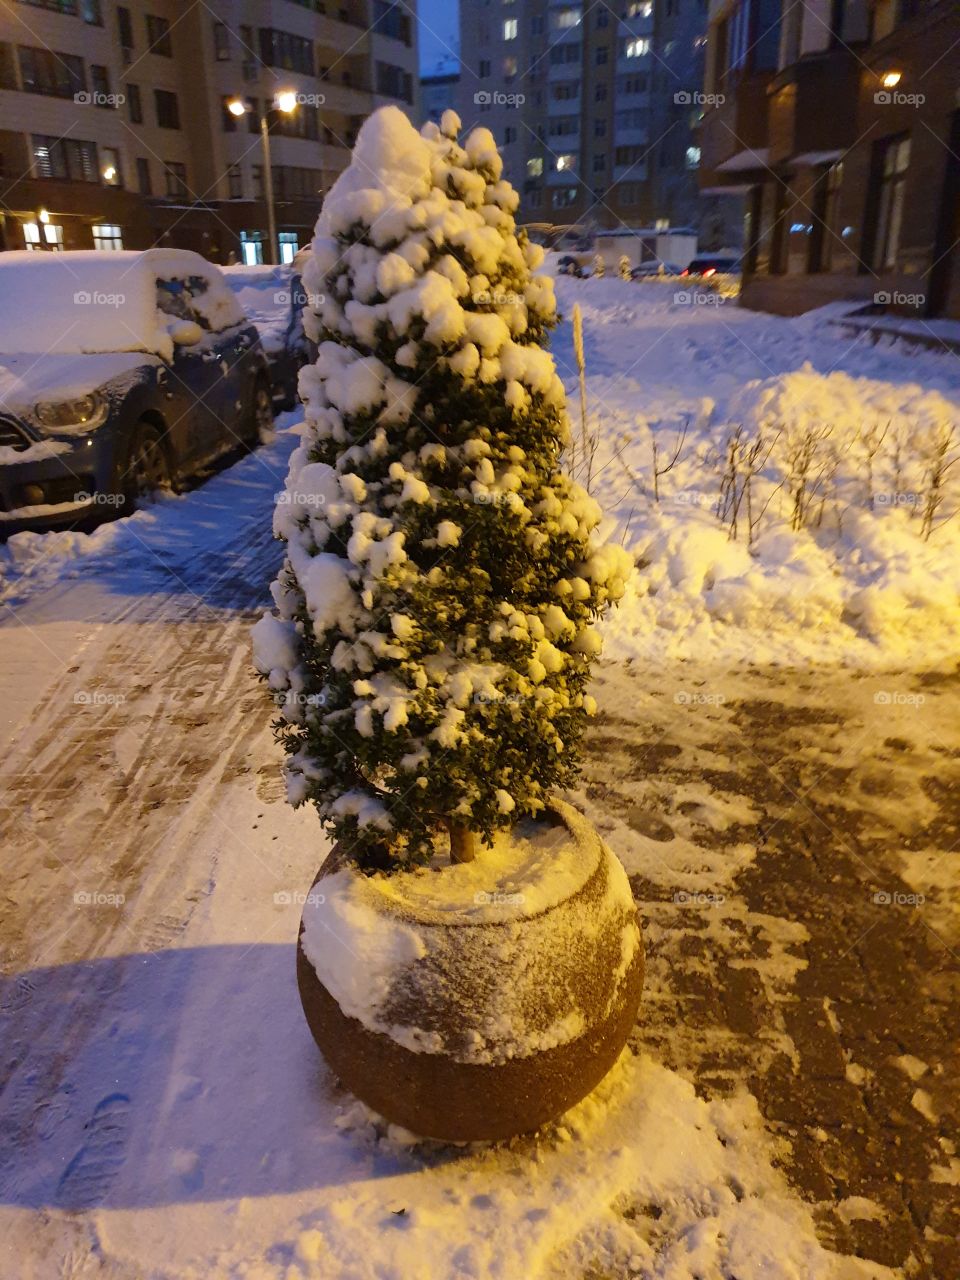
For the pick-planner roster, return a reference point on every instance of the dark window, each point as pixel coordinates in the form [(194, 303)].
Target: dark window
[(601, 52), (281, 49), (168, 109), (88, 10), (176, 177), (301, 123), (825, 238), (65, 158), (158, 36), (235, 182), (599, 128), (221, 41), (394, 82), (600, 93), (599, 162), (888, 182), (60, 75), (100, 86), (248, 54), (290, 182), (391, 20), (484, 69), (144, 184), (603, 17), (561, 53), (134, 104), (228, 119), (124, 28), (58, 6)]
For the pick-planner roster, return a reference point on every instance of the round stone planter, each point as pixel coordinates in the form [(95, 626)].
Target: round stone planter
[(479, 1001)]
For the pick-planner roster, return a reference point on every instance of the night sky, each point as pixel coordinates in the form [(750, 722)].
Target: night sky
[(439, 27)]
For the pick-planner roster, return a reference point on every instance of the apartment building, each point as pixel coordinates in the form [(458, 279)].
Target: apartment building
[(115, 129), (439, 90), (839, 125), (593, 105)]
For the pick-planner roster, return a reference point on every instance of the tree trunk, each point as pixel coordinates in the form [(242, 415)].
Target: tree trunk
[(462, 846)]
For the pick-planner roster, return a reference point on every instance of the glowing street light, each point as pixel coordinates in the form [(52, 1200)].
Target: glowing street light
[(891, 79), (285, 101)]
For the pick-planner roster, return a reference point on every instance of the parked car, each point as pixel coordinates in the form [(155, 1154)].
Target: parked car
[(121, 373), (655, 268), (569, 266), (712, 265), (274, 299)]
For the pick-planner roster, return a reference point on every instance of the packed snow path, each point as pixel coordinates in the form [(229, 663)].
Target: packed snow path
[(791, 840)]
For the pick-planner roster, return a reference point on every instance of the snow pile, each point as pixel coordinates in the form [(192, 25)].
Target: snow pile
[(517, 988), (643, 1178), (796, 515)]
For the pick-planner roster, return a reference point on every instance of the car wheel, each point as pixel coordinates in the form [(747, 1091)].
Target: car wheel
[(260, 416), (148, 468)]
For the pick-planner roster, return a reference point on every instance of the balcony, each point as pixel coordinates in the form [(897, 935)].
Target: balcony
[(633, 136), (563, 177), (812, 106), (732, 130), (563, 106)]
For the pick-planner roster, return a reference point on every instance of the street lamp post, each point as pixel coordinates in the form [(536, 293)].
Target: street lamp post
[(285, 102)]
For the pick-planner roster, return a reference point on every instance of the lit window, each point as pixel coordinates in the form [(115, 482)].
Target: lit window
[(251, 248), (567, 163), (637, 48), (564, 19), (510, 29), (52, 236), (640, 9), (289, 245), (107, 235), (535, 166), (693, 157)]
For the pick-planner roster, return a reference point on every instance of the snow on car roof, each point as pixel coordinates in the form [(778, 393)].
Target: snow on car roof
[(89, 301)]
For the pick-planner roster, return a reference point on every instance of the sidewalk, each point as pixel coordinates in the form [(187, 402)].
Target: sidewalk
[(824, 975)]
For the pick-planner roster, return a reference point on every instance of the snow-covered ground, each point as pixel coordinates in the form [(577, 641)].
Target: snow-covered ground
[(854, 429), (165, 1114), (823, 555)]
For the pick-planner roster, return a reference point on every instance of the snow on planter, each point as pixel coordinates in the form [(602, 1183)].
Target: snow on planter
[(386, 947), (466, 1013), (434, 630)]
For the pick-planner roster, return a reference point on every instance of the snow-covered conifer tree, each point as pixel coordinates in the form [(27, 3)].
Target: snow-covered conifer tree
[(432, 637)]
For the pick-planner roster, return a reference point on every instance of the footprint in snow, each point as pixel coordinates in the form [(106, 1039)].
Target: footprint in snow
[(92, 1171)]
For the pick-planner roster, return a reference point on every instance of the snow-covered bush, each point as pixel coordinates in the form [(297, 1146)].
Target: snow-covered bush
[(432, 640)]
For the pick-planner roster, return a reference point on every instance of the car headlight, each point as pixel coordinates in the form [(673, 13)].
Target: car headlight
[(72, 416)]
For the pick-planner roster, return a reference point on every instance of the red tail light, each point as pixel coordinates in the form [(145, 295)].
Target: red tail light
[(710, 271)]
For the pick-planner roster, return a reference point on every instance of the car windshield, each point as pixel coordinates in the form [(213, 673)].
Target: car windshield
[(177, 298)]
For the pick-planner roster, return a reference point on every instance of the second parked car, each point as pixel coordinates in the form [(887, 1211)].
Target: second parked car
[(120, 374)]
